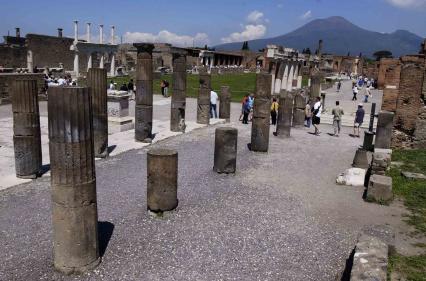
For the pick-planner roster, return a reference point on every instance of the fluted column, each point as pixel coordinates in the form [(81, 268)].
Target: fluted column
[(73, 180), (261, 113), (203, 101), (177, 113), (26, 128), (97, 83), (285, 111), (144, 92), (225, 103), (299, 111)]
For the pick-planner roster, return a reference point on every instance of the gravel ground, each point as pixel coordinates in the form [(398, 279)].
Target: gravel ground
[(280, 217)]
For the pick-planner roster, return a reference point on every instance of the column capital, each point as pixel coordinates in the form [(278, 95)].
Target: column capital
[(144, 47)]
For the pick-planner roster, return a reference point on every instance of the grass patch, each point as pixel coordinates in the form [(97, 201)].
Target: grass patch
[(411, 268), (413, 192), (240, 84)]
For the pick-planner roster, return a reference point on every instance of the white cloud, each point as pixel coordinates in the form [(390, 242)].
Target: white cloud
[(408, 3), (165, 36), (254, 29), (306, 15)]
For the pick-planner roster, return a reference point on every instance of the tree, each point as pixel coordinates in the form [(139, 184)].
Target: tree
[(245, 46), (382, 54), (205, 47)]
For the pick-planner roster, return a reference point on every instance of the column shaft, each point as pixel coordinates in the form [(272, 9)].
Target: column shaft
[(225, 150), (177, 112), (261, 113), (285, 110), (203, 101), (225, 103)]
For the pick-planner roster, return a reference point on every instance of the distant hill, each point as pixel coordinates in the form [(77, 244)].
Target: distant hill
[(340, 36)]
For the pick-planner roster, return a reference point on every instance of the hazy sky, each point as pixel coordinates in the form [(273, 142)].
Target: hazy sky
[(185, 22)]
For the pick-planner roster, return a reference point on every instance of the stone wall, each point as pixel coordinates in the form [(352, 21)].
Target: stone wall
[(384, 65), (391, 88), (371, 70), (6, 78), (13, 57)]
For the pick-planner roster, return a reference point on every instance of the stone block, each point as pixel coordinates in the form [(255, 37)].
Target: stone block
[(118, 106), (379, 189)]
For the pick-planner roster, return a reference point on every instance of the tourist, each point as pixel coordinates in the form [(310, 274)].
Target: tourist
[(166, 88), (244, 100), (162, 86), (316, 116), (124, 88), (339, 85), (130, 86), (308, 114), (213, 102), (359, 118), (274, 111), (111, 85), (246, 110), (367, 94), (337, 113), (62, 81), (251, 104), (355, 92)]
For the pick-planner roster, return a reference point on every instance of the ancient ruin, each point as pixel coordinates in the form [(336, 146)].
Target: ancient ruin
[(285, 114), (225, 150), (261, 111), (203, 101), (225, 103), (177, 115)]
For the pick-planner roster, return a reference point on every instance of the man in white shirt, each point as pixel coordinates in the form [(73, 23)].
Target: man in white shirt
[(316, 115), (213, 103)]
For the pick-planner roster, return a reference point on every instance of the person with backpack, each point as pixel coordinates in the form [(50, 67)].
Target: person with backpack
[(274, 111)]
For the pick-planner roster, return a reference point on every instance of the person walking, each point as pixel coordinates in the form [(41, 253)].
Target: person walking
[(337, 113), (274, 111), (339, 85), (242, 107), (355, 92), (316, 116), (308, 114), (251, 104), (166, 88), (213, 102), (359, 119), (246, 111), (367, 94), (162, 86)]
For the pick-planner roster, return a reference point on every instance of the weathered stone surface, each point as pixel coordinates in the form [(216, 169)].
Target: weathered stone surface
[(261, 113), (177, 113), (384, 130), (420, 132), (225, 103), (284, 117), (368, 141), (97, 83), (144, 92), (413, 176), (379, 189), (315, 90), (370, 259), (225, 150), (26, 128), (73, 180), (162, 179), (352, 177), (360, 159), (203, 101), (299, 111), (372, 117)]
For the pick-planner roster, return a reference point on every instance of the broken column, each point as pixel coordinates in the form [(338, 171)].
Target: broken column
[(299, 111), (379, 189), (360, 159), (261, 113), (97, 83), (73, 180), (26, 128), (285, 110), (225, 150), (203, 101), (144, 92), (384, 130), (162, 179), (177, 114), (315, 90), (225, 103)]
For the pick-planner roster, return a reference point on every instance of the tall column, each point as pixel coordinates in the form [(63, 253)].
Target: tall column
[(162, 180), (112, 34), (273, 71), (299, 111), (177, 112), (285, 112), (315, 86), (285, 78), (75, 31), (278, 78), (97, 83), (261, 113), (101, 41), (384, 130), (30, 62), (88, 32), (73, 180), (112, 70), (225, 150), (299, 81), (26, 128), (290, 79), (225, 103), (101, 62), (89, 62), (203, 101), (76, 64), (144, 92)]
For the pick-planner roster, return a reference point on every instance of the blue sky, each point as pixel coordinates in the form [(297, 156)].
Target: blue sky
[(185, 22)]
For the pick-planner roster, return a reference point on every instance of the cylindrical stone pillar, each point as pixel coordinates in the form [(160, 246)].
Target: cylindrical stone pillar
[(162, 180), (372, 116), (203, 101), (261, 113), (73, 180), (225, 103), (360, 159), (225, 150), (299, 111), (144, 92), (315, 87), (384, 130), (26, 128), (97, 83), (368, 141), (178, 106), (285, 110)]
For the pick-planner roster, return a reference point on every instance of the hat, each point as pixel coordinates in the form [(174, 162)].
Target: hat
[(361, 105)]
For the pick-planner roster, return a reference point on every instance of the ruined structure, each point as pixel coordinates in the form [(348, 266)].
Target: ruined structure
[(285, 110), (203, 100), (73, 180), (225, 103), (261, 113), (299, 110), (144, 92), (177, 115), (225, 150), (26, 128)]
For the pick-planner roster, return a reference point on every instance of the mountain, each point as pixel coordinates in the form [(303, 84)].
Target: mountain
[(340, 37)]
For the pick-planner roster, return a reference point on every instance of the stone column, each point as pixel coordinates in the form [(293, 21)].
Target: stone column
[(278, 78), (299, 81), (89, 62), (97, 83), (30, 61), (372, 116), (144, 92), (315, 86), (225, 103), (384, 130), (162, 180), (284, 78), (290, 79), (88, 32), (360, 159), (285, 110), (261, 113), (299, 111), (112, 72), (101, 62), (75, 31), (225, 150), (76, 64), (73, 180), (178, 107), (203, 101), (101, 41), (26, 128)]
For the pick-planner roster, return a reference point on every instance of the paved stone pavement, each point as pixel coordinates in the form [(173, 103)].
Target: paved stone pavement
[(281, 217)]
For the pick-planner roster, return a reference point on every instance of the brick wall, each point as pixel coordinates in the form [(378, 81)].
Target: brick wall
[(384, 65), (13, 57), (6, 78), (391, 88)]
